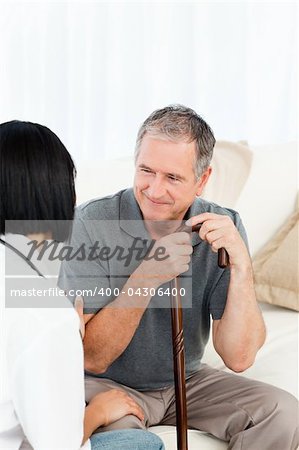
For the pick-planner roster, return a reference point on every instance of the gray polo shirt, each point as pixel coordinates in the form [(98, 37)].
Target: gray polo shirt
[(147, 361)]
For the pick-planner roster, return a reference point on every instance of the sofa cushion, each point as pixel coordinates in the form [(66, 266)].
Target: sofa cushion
[(276, 267), (277, 361), (269, 194), (196, 439), (231, 165)]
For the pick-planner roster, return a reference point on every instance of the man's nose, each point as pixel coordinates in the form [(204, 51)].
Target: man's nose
[(156, 188)]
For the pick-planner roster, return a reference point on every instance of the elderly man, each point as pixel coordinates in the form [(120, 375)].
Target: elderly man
[(128, 337)]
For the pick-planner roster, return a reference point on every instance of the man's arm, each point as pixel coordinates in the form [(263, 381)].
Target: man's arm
[(109, 332), (240, 332)]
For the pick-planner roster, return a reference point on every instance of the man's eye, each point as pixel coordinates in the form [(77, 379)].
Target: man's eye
[(146, 170), (172, 178)]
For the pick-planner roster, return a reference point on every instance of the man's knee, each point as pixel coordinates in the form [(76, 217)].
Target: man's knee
[(286, 419), (125, 423), (281, 401), (280, 407), (287, 410)]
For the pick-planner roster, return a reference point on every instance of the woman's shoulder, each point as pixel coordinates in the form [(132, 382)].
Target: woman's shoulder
[(39, 320), (27, 328)]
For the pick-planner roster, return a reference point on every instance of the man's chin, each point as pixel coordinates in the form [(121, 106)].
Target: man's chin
[(157, 215)]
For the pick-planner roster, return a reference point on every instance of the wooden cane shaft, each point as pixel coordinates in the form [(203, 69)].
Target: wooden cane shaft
[(179, 367)]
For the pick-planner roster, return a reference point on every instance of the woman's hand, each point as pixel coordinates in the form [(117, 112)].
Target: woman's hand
[(79, 304), (112, 405), (108, 407)]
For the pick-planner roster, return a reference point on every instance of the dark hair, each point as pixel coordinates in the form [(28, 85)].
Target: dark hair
[(179, 123), (36, 180)]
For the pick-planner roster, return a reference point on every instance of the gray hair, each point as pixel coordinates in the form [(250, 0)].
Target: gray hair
[(179, 123)]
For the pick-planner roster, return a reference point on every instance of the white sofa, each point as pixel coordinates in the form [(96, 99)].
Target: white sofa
[(265, 202)]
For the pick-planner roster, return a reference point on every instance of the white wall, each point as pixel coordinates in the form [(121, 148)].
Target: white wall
[(92, 71)]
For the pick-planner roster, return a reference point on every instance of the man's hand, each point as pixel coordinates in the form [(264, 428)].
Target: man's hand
[(220, 231), (111, 330), (178, 250), (240, 332), (112, 405)]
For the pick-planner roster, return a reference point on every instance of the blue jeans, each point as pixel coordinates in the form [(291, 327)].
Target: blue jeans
[(126, 440)]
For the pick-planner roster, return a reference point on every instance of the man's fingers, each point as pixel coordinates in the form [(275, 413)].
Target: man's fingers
[(210, 225), (203, 217), (217, 244), (182, 250), (179, 238), (212, 236)]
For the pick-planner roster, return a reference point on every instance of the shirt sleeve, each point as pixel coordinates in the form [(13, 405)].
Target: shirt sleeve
[(218, 295), (47, 386), (83, 274)]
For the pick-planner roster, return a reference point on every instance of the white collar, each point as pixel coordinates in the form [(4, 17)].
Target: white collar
[(45, 266)]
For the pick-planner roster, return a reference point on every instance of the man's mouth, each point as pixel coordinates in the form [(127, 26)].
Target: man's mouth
[(156, 202)]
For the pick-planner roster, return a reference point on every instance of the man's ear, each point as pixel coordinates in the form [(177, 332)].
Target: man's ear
[(203, 180)]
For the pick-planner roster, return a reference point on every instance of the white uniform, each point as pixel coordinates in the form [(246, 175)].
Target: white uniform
[(42, 374)]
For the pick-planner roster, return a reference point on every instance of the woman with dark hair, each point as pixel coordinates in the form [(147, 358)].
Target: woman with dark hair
[(42, 374)]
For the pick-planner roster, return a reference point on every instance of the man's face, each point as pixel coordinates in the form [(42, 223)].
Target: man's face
[(165, 184)]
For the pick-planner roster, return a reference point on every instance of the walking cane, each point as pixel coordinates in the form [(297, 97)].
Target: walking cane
[(179, 350)]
